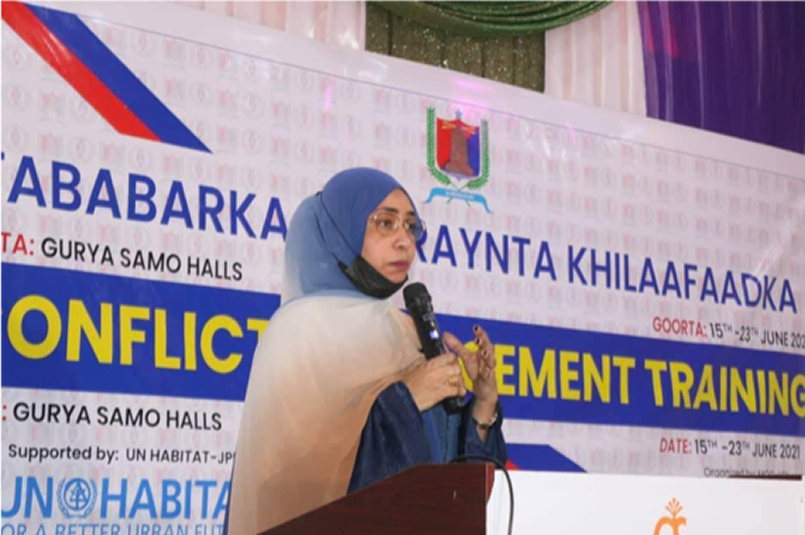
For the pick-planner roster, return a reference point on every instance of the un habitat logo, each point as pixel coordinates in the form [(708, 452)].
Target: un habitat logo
[(78, 498), (458, 157)]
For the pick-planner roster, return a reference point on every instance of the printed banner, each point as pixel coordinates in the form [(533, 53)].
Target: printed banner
[(643, 282)]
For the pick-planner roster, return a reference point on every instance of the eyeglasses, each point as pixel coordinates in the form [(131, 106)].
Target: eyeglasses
[(387, 224)]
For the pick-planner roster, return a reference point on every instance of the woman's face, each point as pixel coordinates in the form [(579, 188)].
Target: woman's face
[(388, 249)]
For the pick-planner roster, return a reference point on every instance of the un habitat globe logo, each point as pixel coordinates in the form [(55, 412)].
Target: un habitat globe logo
[(458, 158), (76, 497), (112, 499)]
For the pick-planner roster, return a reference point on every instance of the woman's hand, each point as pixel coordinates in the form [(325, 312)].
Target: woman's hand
[(433, 380), (480, 367)]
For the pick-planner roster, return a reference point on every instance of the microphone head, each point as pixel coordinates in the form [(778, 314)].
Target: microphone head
[(415, 295)]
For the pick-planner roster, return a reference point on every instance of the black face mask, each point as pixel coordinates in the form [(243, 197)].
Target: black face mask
[(368, 280)]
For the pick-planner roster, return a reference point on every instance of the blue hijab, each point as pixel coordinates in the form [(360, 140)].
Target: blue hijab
[(328, 228)]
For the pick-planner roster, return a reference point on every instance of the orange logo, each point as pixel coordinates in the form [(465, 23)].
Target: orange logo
[(674, 521)]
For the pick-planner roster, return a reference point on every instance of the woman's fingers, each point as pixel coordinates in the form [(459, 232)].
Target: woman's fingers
[(480, 363), (488, 358), (449, 371), (455, 345), (451, 380), (449, 362), (486, 350), (433, 380), (481, 337), (470, 358)]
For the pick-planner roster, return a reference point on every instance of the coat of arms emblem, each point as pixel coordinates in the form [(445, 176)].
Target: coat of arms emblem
[(458, 157)]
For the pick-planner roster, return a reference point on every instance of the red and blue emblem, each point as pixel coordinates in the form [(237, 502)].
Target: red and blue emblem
[(97, 74), (458, 148), (458, 157)]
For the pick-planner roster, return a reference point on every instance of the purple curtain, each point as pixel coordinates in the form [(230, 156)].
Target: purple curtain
[(736, 68)]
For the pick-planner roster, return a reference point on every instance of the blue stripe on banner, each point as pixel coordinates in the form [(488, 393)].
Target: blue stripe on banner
[(540, 457), (196, 341), (120, 80), (522, 349)]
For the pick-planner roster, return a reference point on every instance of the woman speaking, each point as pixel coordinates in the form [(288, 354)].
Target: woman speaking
[(339, 395)]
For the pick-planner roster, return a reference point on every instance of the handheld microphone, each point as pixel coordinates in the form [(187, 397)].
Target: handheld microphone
[(419, 304)]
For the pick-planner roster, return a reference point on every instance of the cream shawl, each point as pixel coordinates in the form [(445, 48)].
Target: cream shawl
[(317, 370)]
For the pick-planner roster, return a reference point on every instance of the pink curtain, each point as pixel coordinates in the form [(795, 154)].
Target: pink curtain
[(598, 60)]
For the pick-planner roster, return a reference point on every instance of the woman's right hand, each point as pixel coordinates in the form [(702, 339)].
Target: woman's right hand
[(433, 380)]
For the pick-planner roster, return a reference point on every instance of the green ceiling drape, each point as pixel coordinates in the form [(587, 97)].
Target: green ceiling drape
[(493, 19), (501, 41)]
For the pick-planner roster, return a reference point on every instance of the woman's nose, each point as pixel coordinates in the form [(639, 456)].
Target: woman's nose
[(403, 238)]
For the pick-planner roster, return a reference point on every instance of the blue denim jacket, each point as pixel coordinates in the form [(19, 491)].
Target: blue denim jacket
[(397, 436)]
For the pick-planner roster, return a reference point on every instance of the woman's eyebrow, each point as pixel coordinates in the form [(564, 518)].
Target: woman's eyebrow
[(394, 210)]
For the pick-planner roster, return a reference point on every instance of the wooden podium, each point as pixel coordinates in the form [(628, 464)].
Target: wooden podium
[(427, 499), (455, 499)]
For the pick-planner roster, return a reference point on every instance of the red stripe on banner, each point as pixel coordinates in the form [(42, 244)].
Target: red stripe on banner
[(38, 36)]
